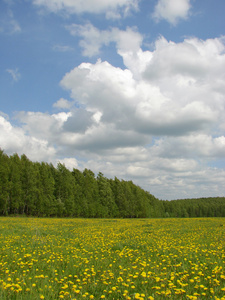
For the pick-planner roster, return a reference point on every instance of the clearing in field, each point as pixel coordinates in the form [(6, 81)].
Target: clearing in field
[(112, 259)]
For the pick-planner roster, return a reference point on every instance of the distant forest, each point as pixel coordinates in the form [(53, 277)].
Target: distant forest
[(39, 189)]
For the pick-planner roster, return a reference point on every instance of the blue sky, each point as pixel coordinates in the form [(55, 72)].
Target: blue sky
[(134, 89)]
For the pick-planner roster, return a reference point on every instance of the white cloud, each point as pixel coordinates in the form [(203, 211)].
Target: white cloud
[(63, 104), (43, 125), (171, 102), (70, 163), (102, 87), (113, 9), (93, 38), (177, 90), (172, 10), (160, 124), (197, 145), (9, 24), (191, 58), (15, 74), (14, 140)]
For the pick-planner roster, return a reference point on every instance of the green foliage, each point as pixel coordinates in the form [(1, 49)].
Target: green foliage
[(200, 207), (4, 183), (40, 189), (15, 195)]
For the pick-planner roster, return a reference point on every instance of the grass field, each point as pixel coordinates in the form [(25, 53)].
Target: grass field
[(112, 259)]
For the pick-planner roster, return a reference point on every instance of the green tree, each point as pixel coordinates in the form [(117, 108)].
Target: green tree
[(118, 189), (91, 194), (47, 201), (16, 200), (30, 191), (106, 198), (80, 200), (66, 188), (130, 198), (4, 183), (142, 205)]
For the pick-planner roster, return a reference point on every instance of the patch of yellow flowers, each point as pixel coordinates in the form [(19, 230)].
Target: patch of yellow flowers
[(112, 259)]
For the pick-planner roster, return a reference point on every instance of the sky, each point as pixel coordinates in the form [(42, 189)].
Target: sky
[(130, 88)]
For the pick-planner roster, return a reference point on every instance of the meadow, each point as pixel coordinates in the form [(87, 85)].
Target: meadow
[(44, 258)]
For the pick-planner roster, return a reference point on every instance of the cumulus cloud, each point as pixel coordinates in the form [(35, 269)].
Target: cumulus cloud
[(199, 145), (79, 121), (113, 9), (93, 38), (158, 121), (43, 125), (171, 10), (170, 100), (15, 140), (63, 104), (191, 59), (102, 87), (175, 95), (70, 163)]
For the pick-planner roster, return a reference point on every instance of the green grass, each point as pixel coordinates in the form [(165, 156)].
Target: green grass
[(112, 259)]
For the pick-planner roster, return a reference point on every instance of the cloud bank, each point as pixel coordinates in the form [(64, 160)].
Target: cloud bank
[(159, 120)]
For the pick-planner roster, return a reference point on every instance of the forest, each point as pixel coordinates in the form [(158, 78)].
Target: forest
[(40, 189)]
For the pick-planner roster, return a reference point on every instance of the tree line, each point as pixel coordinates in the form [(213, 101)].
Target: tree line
[(40, 189)]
